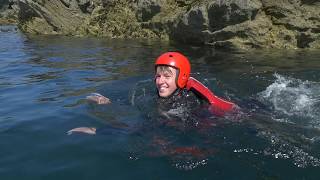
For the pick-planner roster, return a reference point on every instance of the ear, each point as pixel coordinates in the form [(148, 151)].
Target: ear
[(155, 77), (177, 77)]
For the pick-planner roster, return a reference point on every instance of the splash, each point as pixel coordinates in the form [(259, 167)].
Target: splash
[(295, 104), (140, 91), (294, 98)]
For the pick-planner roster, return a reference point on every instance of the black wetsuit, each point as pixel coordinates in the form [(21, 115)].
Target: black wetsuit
[(180, 108)]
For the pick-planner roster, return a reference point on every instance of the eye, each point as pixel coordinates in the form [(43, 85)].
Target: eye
[(167, 76)]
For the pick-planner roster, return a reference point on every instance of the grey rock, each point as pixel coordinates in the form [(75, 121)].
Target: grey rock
[(192, 26), (51, 17), (3, 4), (8, 14), (201, 23), (147, 9), (223, 13)]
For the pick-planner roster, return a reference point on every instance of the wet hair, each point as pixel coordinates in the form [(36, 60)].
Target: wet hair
[(164, 68)]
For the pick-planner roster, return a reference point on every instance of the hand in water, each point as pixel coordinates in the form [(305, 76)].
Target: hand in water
[(87, 130), (98, 98)]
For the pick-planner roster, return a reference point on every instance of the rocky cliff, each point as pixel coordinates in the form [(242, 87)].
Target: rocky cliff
[(237, 24), (7, 12)]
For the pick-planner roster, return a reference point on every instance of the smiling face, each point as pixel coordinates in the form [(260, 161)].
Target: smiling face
[(165, 79)]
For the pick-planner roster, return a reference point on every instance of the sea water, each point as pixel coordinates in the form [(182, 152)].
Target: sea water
[(44, 81)]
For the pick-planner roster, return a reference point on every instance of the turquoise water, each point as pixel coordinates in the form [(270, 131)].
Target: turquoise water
[(44, 81)]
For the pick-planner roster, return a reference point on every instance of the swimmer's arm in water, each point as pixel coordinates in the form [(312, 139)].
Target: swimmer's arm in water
[(98, 98), (86, 130), (106, 130)]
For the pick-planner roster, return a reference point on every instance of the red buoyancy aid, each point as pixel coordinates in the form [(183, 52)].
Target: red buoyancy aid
[(220, 106)]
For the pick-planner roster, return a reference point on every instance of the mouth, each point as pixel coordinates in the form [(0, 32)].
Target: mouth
[(161, 88)]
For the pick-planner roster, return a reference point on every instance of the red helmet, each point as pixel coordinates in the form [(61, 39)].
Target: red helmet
[(178, 61)]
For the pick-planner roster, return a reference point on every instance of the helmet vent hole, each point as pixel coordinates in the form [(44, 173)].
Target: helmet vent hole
[(170, 55)]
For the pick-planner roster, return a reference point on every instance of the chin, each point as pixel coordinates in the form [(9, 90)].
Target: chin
[(164, 95)]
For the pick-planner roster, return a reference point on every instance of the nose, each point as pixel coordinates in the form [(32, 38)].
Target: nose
[(160, 79)]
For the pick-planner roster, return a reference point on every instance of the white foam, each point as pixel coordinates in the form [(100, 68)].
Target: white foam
[(293, 97)]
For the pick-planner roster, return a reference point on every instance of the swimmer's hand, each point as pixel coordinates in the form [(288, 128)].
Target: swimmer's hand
[(87, 130), (98, 98)]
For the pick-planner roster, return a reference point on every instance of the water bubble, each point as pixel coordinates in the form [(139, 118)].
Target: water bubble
[(190, 165), (281, 149)]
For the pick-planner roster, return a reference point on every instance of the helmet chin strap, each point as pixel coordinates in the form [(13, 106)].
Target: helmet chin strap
[(219, 106)]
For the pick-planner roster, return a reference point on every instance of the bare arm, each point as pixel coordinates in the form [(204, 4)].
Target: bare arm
[(98, 98), (95, 98), (87, 130)]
